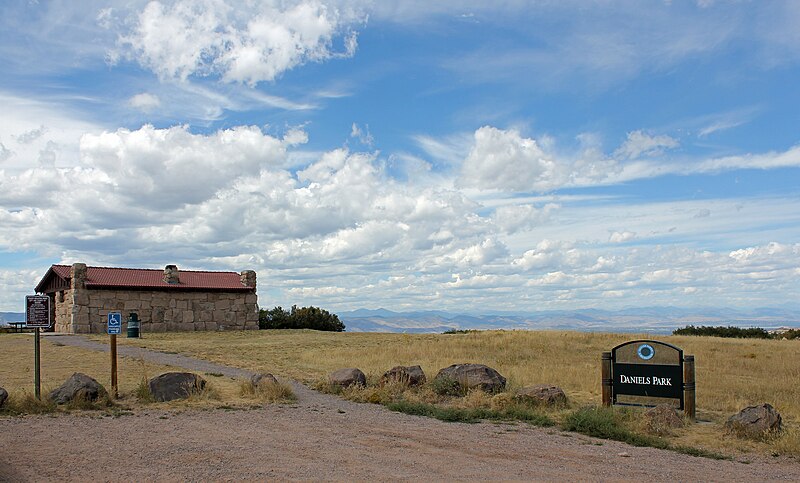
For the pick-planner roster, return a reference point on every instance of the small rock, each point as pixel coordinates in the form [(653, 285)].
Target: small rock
[(3, 396), (755, 422), (78, 386), (262, 379), (543, 394), (175, 385), (409, 375), (662, 418), (348, 377), (474, 376), (624, 455)]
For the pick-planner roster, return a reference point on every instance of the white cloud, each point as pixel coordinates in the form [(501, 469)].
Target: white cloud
[(362, 135), (621, 237), (29, 136), (640, 143), (513, 218), (5, 153), (145, 102), (502, 159), (29, 128), (241, 43)]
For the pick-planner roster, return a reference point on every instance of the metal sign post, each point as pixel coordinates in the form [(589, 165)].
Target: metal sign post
[(114, 327), (37, 315)]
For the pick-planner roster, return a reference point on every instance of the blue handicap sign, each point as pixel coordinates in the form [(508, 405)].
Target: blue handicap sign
[(114, 322)]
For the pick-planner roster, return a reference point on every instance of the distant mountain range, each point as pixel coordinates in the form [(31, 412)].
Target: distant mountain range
[(657, 320), (6, 317)]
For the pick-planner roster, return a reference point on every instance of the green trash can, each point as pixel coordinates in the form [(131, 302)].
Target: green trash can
[(133, 325)]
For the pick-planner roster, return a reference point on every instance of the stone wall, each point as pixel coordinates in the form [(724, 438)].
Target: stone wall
[(82, 311), (158, 311)]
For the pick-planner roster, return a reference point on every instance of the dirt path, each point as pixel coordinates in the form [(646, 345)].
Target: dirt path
[(325, 437)]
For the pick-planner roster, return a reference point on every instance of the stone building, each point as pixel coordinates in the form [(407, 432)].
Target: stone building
[(81, 298)]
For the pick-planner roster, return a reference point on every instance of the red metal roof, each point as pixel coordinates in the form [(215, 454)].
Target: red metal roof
[(142, 278)]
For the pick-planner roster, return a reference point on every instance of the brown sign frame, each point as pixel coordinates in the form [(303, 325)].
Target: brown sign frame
[(648, 371)]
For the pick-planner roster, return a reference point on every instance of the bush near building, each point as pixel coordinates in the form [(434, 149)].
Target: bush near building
[(299, 318)]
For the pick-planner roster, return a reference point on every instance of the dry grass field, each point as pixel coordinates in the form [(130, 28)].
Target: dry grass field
[(58, 362), (731, 373)]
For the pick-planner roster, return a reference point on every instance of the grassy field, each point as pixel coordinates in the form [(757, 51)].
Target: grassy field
[(731, 373), (58, 362)]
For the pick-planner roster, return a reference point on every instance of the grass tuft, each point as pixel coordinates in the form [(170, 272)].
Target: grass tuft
[(267, 392), (26, 403), (143, 393)]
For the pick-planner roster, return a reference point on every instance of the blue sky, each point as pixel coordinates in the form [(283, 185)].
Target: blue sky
[(410, 155)]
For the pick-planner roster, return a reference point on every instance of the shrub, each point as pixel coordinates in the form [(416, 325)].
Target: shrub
[(446, 386), (273, 393), (303, 318), (728, 332)]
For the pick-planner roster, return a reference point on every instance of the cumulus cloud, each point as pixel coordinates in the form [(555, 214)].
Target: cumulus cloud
[(29, 136), (640, 143), (240, 43), (621, 236), (514, 218), (5, 153), (501, 159), (505, 160), (336, 228), (145, 102)]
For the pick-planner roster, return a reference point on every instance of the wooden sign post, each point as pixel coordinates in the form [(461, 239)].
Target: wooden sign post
[(37, 315)]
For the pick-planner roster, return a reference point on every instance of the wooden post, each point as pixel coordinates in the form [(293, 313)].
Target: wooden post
[(689, 388), (37, 366), (114, 386), (606, 375)]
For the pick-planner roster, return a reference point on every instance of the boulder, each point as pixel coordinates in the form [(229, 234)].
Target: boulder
[(662, 418), (408, 375), (755, 422), (348, 377), (3, 396), (473, 376), (175, 385), (262, 379), (78, 387), (542, 394)]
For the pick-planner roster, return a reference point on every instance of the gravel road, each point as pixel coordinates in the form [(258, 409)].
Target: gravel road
[(325, 437)]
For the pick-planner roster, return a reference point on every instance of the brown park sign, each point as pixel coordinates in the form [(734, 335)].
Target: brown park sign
[(648, 373)]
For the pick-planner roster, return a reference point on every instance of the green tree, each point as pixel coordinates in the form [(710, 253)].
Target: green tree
[(300, 318)]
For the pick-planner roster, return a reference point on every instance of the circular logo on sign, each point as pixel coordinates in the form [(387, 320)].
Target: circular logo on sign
[(646, 352)]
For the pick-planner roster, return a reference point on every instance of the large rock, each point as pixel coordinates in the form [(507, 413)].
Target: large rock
[(3, 396), (348, 377), (262, 380), (542, 394), (408, 375), (473, 376), (755, 422), (662, 419), (175, 385), (78, 387)]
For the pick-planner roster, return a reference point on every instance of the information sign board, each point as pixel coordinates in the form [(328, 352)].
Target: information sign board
[(37, 311), (644, 371), (114, 323)]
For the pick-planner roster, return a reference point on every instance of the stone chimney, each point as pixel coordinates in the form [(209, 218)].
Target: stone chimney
[(171, 274), (78, 275), (248, 278)]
